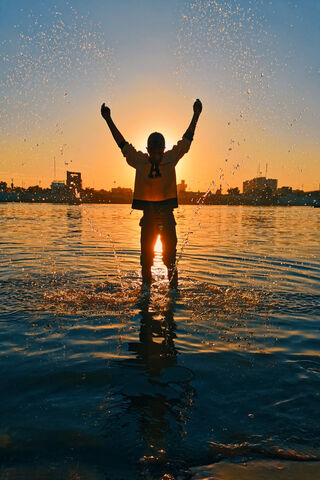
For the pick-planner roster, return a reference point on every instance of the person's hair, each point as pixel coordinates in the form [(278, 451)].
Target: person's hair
[(156, 140)]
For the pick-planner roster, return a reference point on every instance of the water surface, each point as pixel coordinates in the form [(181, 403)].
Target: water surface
[(99, 381)]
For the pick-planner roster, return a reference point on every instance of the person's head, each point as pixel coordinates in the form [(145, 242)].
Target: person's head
[(156, 146)]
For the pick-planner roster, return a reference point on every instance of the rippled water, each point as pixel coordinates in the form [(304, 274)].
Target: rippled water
[(101, 381)]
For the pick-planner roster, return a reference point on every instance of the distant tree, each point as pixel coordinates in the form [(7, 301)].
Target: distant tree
[(35, 189), (233, 191)]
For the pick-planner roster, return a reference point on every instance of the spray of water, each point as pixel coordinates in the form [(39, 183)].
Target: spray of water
[(230, 54), (97, 231), (233, 50), (54, 59)]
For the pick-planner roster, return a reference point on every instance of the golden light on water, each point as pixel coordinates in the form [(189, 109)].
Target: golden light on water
[(158, 265), (158, 246)]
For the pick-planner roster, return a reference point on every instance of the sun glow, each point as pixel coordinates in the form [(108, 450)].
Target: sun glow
[(158, 266), (158, 246)]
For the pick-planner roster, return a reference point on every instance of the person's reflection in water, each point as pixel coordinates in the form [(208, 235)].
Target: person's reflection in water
[(157, 331), (163, 409)]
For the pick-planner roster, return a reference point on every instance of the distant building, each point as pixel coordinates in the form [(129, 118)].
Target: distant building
[(219, 190), (119, 195), (121, 191), (58, 186), (284, 191), (272, 184), (74, 181), (233, 191), (260, 184), (298, 192), (182, 187)]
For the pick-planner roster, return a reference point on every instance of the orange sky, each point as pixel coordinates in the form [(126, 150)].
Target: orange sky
[(90, 146)]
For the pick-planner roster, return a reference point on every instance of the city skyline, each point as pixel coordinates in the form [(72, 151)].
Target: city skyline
[(257, 183)]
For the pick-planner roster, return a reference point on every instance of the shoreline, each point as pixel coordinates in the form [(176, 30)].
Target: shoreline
[(35, 202)]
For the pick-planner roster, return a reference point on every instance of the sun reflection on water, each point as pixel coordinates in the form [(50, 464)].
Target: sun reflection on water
[(158, 269)]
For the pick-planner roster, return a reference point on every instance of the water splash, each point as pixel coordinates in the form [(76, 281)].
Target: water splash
[(54, 58), (234, 54), (224, 314)]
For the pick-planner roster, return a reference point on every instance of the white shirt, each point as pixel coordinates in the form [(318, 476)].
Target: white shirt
[(157, 188)]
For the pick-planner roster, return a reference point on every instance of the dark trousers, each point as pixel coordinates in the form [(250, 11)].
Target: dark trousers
[(152, 224)]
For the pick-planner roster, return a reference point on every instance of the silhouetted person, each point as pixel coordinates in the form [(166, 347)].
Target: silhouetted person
[(155, 191)]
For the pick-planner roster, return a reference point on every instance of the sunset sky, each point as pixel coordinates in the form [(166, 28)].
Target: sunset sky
[(254, 64)]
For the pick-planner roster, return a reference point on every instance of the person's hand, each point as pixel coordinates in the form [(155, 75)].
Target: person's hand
[(105, 111), (197, 107)]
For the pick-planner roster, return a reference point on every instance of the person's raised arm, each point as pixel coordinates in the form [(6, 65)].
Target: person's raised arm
[(197, 109), (106, 113), (183, 145)]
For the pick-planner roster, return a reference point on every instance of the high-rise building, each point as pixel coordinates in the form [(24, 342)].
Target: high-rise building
[(74, 181), (58, 186), (182, 187), (260, 184)]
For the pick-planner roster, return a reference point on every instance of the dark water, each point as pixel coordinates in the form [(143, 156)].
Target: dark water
[(99, 381)]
